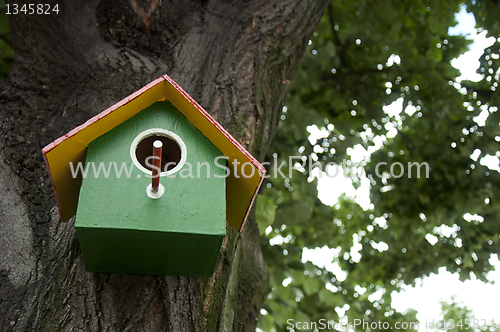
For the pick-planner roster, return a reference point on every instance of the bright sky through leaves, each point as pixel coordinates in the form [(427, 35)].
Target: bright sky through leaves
[(426, 295)]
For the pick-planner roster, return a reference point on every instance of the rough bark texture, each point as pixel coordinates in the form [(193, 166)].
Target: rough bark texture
[(235, 59)]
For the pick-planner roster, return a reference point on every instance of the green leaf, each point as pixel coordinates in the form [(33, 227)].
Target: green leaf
[(311, 285), (264, 212)]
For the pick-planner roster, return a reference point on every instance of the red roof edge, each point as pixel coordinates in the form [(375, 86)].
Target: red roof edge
[(251, 203), (224, 132), (101, 115)]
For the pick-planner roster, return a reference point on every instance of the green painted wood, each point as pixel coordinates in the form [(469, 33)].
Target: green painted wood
[(122, 230)]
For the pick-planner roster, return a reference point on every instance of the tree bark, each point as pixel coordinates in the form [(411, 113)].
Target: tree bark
[(235, 59)]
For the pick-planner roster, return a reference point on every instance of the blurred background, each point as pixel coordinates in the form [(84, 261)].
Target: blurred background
[(393, 82)]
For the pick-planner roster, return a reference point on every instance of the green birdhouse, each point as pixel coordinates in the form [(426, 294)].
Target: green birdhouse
[(152, 181)]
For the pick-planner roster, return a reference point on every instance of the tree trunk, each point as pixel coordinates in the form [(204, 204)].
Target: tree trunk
[(236, 60)]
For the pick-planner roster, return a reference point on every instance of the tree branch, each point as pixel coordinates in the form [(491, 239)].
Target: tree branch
[(357, 72), (332, 24)]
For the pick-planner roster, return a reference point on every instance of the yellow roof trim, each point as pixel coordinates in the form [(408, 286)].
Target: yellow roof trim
[(71, 148)]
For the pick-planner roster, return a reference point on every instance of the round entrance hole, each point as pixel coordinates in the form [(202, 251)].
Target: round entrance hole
[(173, 153), (170, 153)]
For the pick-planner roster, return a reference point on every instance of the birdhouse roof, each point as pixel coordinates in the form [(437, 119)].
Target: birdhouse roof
[(241, 190)]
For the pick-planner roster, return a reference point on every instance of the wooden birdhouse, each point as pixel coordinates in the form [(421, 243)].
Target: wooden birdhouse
[(152, 181)]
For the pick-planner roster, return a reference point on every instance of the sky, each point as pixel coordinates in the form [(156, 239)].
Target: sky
[(482, 298), (425, 297)]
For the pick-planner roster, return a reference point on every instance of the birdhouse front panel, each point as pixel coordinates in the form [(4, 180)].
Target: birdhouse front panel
[(125, 227)]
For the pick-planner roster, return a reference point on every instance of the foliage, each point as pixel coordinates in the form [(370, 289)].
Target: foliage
[(456, 316), (361, 58)]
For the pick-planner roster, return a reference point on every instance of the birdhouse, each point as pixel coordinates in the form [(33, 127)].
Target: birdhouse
[(152, 181)]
